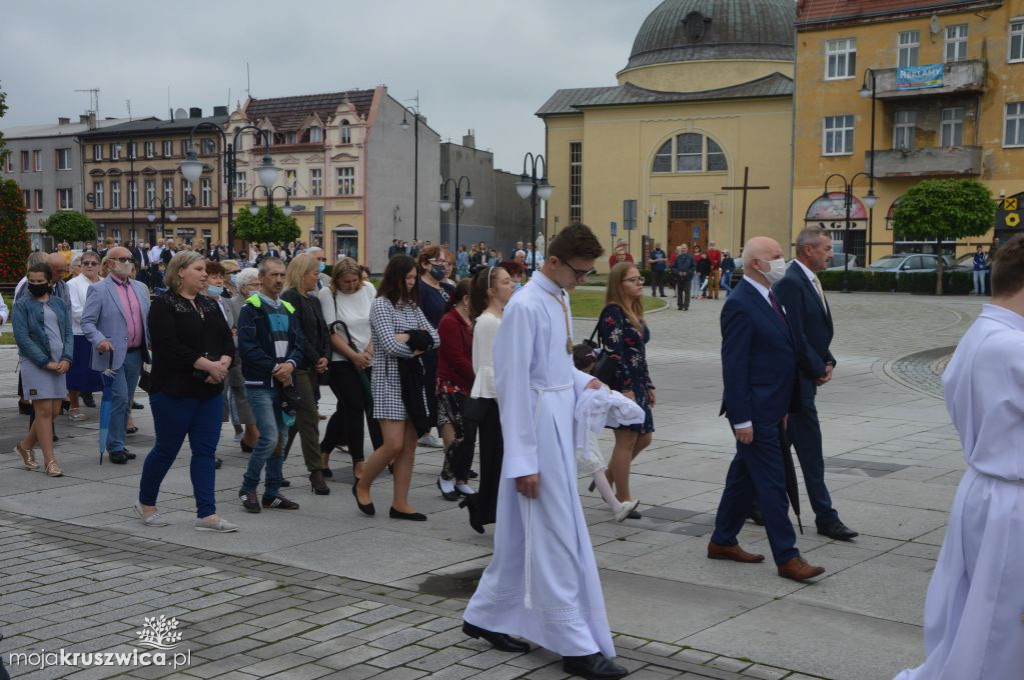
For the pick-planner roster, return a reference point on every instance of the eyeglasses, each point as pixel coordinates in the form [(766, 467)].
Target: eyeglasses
[(634, 279), (90, 264), (123, 260), (580, 273)]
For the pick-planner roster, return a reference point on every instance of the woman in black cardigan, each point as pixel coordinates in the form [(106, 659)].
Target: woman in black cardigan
[(192, 352)]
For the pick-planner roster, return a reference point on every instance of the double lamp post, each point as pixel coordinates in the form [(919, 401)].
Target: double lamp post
[(462, 201), (531, 187)]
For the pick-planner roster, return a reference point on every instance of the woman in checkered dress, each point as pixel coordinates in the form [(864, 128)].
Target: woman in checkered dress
[(395, 311)]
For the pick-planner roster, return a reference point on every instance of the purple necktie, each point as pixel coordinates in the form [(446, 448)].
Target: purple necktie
[(777, 307)]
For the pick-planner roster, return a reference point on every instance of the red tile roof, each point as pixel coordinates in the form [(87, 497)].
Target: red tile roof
[(820, 14), (288, 113)]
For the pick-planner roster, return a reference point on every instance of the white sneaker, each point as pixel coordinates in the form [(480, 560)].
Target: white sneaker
[(465, 489), (221, 526), (238, 436), (153, 519), (431, 441), (625, 509)]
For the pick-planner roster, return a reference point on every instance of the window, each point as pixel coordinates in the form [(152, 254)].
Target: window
[(716, 157), (133, 194), (838, 137), (150, 192), (576, 181), (1017, 40), (346, 181), (908, 46), (206, 187), (168, 148), (115, 152), (115, 195), (9, 163), (37, 160), (904, 130), (64, 199), (346, 132), (956, 42), (149, 148), (953, 127), (24, 161), (133, 150), (291, 138), (184, 148), (97, 152), (186, 191), (169, 193), (39, 200), (1014, 125), (693, 152), (240, 185), (289, 179), (316, 182), (26, 195), (841, 59), (689, 156), (97, 195), (316, 134), (663, 159)]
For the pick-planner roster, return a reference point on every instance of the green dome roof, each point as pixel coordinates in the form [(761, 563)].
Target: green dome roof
[(699, 30)]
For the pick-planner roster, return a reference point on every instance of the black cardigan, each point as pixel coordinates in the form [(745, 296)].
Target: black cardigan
[(316, 339), (180, 335)]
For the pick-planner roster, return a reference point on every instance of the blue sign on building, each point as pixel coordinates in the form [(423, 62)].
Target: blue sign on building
[(919, 77)]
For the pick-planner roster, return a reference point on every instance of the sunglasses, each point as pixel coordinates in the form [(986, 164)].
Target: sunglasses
[(123, 260)]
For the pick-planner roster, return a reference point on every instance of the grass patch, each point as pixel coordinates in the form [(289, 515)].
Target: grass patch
[(7, 339), (589, 303)]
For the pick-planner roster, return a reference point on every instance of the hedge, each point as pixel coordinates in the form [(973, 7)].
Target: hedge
[(953, 282)]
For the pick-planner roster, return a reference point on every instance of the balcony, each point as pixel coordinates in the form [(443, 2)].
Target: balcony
[(957, 161), (960, 77)]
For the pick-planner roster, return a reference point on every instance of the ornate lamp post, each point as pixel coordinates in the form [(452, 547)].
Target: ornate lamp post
[(462, 201), (869, 202), (163, 203), (529, 186), (269, 193), (865, 93)]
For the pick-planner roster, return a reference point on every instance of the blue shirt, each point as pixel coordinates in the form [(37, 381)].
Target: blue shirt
[(658, 253)]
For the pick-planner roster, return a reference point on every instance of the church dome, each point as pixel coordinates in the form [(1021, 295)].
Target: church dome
[(702, 30)]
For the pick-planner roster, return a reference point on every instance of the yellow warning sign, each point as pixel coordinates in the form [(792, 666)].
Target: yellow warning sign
[(1012, 219), (1010, 203)]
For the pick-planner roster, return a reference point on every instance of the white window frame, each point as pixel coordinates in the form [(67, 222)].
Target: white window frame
[(97, 152), (904, 126), (316, 134), (149, 148), (241, 187), (956, 38), (65, 199), (169, 193), (39, 199), (37, 160), (97, 194), (316, 182), (26, 195), (168, 148), (206, 195), (1016, 33), (951, 124), (346, 181), (186, 191), (133, 194), (9, 163), (150, 189), (839, 127), (115, 194), (345, 130), (1017, 121), (908, 48), (842, 50), (115, 151), (291, 137), (133, 150)]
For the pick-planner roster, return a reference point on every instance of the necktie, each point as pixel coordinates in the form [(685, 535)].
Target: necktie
[(821, 293), (777, 307)]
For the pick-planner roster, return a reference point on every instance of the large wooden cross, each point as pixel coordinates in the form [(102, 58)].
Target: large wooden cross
[(743, 215)]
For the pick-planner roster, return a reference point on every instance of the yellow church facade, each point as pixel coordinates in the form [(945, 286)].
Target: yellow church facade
[(703, 108)]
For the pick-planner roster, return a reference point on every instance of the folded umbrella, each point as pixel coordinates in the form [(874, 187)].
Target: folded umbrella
[(106, 403), (791, 485)]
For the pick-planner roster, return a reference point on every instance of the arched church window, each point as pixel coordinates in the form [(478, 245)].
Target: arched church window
[(693, 152), (716, 157), (663, 159), (689, 152)]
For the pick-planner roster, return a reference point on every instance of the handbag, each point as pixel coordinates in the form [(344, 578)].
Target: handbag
[(606, 368), (475, 409), (145, 379), (363, 378)]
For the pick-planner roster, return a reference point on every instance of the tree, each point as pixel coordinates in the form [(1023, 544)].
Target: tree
[(70, 226), (944, 208), (14, 243), (254, 228)]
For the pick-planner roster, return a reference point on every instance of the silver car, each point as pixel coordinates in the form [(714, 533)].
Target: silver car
[(908, 263)]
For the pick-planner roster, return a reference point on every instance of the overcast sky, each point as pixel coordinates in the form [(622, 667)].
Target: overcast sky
[(481, 64)]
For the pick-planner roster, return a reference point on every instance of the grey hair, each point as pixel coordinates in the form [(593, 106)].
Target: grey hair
[(311, 249), (265, 263), (76, 260), (247, 276), (181, 260), (809, 237), (749, 257)]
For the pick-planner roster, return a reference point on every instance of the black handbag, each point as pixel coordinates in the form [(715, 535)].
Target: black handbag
[(606, 368), (475, 409)]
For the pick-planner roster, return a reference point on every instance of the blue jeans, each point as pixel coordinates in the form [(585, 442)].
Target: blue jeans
[(266, 406), (173, 418), (979, 281), (726, 282), (122, 387)]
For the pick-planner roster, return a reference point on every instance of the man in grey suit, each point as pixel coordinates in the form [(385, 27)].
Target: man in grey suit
[(115, 323)]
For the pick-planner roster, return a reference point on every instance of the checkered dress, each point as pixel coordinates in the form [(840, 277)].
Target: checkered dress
[(386, 321)]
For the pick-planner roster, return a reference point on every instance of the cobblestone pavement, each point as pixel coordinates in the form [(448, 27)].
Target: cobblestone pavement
[(324, 592)]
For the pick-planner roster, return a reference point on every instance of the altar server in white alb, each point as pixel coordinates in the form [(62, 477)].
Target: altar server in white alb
[(974, 611), (542, 582)]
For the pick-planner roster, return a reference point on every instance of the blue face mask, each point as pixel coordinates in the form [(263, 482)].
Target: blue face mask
[(323, 266), (518, 286), (234, 280), (215, 291)]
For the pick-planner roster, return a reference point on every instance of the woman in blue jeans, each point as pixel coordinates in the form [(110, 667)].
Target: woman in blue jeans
[(192, 352)]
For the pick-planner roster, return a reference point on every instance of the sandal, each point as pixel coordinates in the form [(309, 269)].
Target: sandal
[(53, 470), (131, 430), (28, 458), (76, 415)]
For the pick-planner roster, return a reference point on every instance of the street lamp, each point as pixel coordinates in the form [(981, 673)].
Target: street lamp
[(415, 161), (254, 209), (164, 203), (865, 93), (192, 167), (529, 186), (461, 202), (869, 202)]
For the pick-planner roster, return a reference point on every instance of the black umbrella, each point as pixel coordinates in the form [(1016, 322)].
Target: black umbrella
[(790, 467)]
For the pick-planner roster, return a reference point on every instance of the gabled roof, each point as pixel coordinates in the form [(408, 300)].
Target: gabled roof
[(821, 14), (288, 113), (573, 100), (153, 126)]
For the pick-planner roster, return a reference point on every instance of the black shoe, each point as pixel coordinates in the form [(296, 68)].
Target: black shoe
[(131, 430), (118, 457), (279, 502), (367, 509), (411, 516), (250, 502), (593, 485), (633, 514), (500, 641), (469, 502), (473, 474), (131, 456), (316, 481), (838, 531), (217, 463), (594, 666), (452, 495), (327, 472), (88, 400), (285, 483), (756, 516), (136, 406)]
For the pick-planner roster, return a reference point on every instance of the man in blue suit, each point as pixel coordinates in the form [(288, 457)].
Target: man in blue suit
[(115, 322), (759, 368), (802, 296)]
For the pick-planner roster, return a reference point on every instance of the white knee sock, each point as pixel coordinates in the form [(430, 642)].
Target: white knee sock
[(605, 489)]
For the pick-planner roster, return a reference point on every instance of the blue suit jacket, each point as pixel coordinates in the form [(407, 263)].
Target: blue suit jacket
[(811, 322), (759, 360), (104, 319)]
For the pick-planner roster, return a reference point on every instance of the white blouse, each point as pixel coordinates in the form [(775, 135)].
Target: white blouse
[(484, 333), (353, 310), (78, 290)]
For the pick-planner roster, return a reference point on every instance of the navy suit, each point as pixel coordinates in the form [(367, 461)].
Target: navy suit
[(811, 321), (759, 368)]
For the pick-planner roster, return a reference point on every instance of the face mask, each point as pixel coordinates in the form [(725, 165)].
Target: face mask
[(437, 271), (777, 271), (234, 280), (38, 289), (123, 269), (215, 291), (517, 286), (323, 266)]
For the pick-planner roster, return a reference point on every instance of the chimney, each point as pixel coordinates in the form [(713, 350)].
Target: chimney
[(469, 139), (63, 121), (220, 110), (92, 120), (195, 112), (82, 118)]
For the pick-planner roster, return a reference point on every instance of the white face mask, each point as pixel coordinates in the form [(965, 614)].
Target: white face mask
[(123, 269), (777, 271)]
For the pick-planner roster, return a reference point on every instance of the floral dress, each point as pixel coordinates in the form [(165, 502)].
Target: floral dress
[(624, 342)]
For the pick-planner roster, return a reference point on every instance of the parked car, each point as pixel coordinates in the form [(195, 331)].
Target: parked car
[(838, 261), (909, 263), (964, 263)]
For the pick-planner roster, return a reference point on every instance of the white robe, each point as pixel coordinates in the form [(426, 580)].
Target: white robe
[(542, 582), (973, 627)]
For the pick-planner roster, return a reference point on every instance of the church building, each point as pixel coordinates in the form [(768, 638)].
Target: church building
[(702, 109)]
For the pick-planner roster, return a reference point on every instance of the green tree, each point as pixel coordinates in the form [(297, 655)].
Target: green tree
[(944, 209), (70, 226), (254, 228), (14, 243)]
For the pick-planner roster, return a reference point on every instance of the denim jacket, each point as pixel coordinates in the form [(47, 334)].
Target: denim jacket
[(30, 329)]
